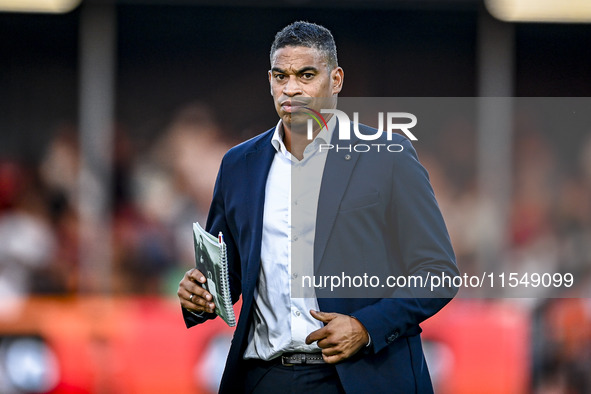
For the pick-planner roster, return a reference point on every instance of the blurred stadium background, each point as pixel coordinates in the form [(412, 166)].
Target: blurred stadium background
[(107, 108)]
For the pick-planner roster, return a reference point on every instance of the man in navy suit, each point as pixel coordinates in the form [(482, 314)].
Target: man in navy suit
[(359, 211)]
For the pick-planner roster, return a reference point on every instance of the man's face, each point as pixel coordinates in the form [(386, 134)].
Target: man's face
[(297, 76)]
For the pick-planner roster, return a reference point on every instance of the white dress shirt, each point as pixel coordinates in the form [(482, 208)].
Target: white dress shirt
[(282, 323)]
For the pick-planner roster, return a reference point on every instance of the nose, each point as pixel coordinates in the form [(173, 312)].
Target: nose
[(292, 87)]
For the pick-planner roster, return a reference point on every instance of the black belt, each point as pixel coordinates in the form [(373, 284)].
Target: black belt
[(290, 359)]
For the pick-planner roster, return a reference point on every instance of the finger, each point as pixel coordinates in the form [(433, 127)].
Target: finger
[(194, 288), (331, 351), (326, 343), (198, 304), (197, 301), (195, 275), (324, 317), (332, 359), (202, 302), (317, 335)]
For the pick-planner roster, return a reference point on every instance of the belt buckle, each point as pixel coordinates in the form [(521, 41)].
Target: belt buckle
[(302, 360)]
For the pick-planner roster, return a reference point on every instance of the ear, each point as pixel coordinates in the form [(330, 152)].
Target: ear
[(338, 77), (270, 86)]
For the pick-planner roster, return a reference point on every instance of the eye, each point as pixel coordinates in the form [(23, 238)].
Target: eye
[(307, 75), (279, 77)]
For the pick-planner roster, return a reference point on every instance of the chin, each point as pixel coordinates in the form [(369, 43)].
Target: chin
[(286, 118)]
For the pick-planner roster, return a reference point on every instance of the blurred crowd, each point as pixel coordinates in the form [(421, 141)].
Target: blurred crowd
[(160, 188), (158, 192), (549, 231)]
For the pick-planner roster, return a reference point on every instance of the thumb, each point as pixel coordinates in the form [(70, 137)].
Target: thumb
[(324, 317)]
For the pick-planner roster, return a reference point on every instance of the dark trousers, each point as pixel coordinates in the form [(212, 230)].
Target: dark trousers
[(264, 377)]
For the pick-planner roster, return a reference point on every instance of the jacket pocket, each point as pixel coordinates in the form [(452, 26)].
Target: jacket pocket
[(359, 201)]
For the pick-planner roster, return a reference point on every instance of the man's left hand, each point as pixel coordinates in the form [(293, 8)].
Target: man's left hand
[(340, 338)]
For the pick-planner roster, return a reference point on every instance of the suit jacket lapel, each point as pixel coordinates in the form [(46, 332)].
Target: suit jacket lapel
[(337, 172), (258, 162)]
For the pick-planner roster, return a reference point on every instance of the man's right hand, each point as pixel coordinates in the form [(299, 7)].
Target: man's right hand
[(192, 296)]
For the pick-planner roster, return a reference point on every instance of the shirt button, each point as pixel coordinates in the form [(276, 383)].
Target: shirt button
[(295, 238), (295, 202), (294, 275), (297, 313), (347, 157)]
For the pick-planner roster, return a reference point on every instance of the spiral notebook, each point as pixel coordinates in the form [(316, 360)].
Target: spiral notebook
[(211, 259)]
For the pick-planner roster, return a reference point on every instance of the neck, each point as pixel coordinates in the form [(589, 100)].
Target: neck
[(296, 143)]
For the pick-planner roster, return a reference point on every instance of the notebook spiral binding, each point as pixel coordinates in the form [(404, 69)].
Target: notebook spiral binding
[(227, 296)]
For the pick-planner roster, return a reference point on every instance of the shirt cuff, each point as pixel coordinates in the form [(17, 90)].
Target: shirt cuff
[(200, 314)]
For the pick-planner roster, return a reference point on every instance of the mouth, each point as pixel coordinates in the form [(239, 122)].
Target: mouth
[(291, 106)]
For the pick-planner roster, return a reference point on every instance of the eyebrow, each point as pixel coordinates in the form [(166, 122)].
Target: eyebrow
[(298, 72)]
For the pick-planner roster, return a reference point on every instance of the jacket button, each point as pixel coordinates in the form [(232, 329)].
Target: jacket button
[(392, 337)]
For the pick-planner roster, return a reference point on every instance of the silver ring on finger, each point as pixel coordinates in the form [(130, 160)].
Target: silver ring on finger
[(191, 298)]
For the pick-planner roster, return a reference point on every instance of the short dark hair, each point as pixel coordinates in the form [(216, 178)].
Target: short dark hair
[(307, 34)]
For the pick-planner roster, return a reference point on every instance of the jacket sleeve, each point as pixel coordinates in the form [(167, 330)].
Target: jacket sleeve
[(216, 222)]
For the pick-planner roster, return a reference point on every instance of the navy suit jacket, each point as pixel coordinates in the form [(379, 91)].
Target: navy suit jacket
[(385, 204)]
